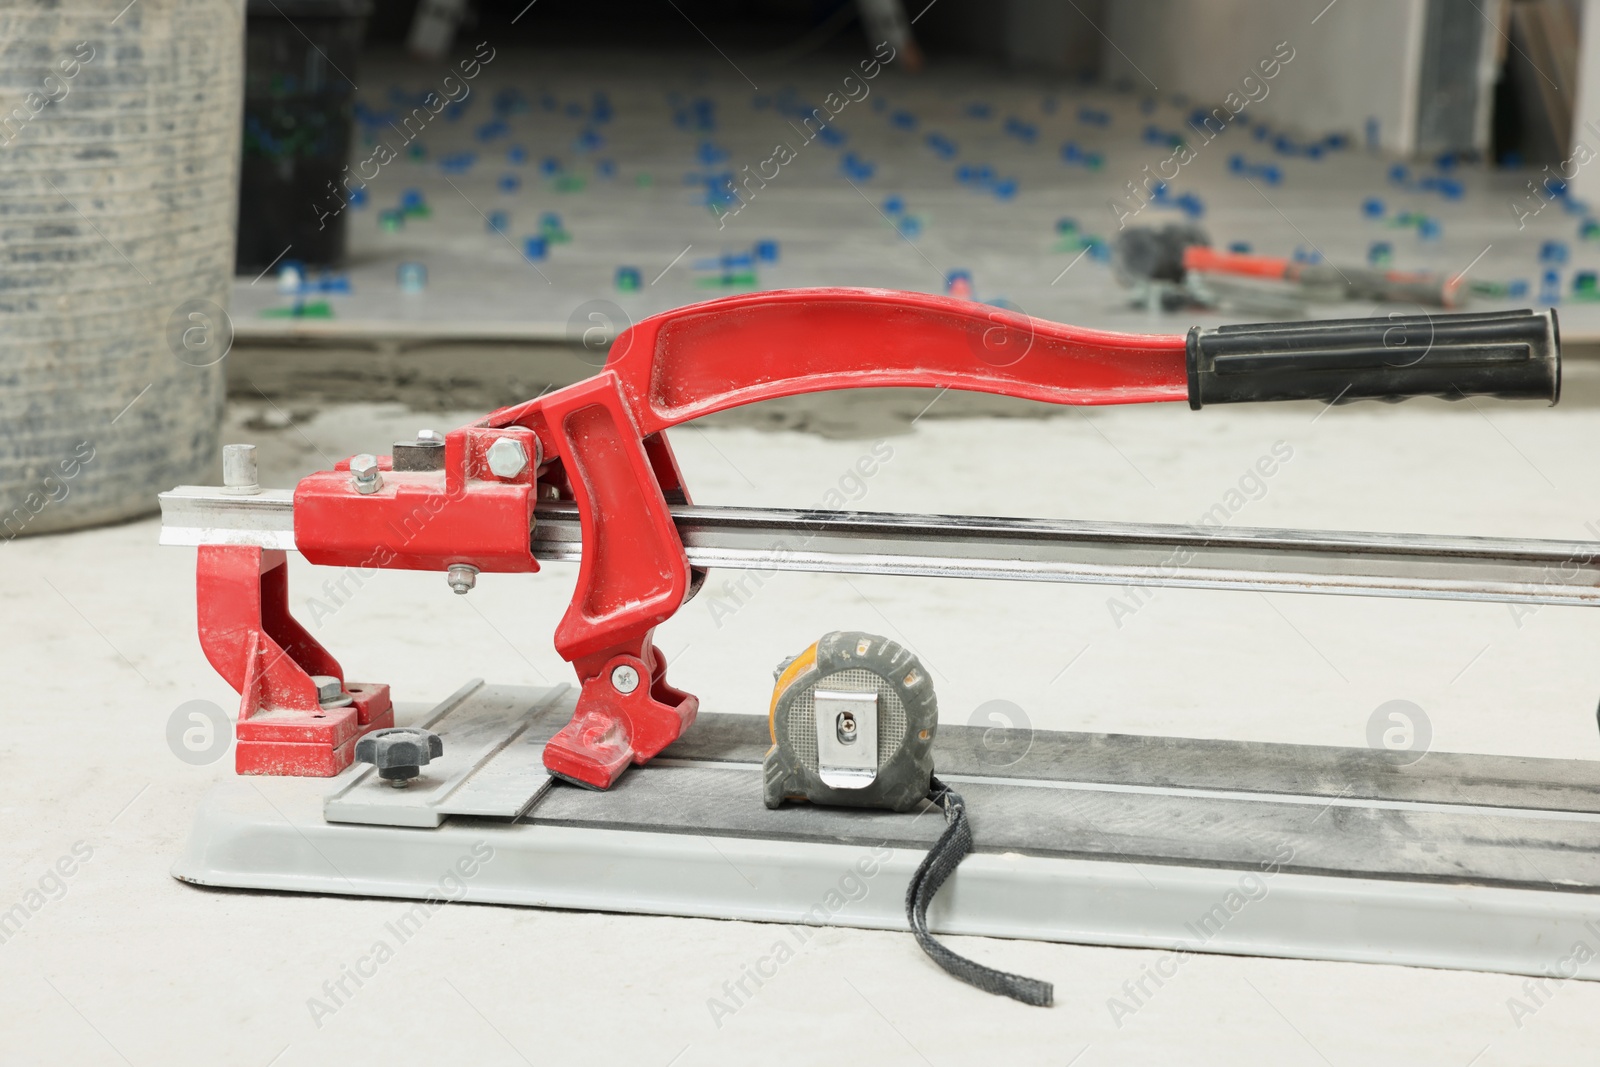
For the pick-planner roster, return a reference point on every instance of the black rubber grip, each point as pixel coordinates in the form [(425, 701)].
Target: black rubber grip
[(1512, 354)]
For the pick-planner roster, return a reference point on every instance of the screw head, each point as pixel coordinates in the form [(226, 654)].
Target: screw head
[(507, 458), (462, 577), (624, 679), (364, 470), (433, 436)]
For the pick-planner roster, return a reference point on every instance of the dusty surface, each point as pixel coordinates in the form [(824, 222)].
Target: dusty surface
[(122, 964)]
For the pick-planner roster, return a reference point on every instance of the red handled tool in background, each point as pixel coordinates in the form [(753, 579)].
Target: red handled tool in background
[(486, 497), (1178, 264), (1343, 283)]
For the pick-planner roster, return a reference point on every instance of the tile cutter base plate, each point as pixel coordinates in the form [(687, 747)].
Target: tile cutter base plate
[(1456, 861)]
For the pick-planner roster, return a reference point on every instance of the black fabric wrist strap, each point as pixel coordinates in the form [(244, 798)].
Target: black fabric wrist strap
[(940, 862)]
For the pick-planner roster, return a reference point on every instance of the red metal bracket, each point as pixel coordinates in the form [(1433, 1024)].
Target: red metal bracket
[(254, 642), (601, 444)]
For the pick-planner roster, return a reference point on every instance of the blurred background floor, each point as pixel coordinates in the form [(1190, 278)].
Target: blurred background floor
[(1021, 181)]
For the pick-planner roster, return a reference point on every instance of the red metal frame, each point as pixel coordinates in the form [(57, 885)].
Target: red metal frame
[(253, 642), (601, 443)]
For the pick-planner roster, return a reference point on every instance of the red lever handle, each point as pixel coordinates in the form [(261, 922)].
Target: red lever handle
[(721, 354)]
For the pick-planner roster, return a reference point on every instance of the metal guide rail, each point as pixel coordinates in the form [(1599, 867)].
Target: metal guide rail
[(1506, 570)]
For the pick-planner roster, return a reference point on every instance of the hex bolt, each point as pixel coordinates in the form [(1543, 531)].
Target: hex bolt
[(430, 436), (330, 692), (507, 458), (462, 577), (624, 679), (239, 474), (364, 471)]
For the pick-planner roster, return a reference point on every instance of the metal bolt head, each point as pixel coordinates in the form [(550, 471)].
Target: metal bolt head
[(433, 436), (462, 577), (624, 679), (507, 458), (364, 470)]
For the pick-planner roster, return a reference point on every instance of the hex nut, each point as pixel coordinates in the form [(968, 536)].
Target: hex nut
[(430, 437), (462, 577), (364, 469), (507, 458)]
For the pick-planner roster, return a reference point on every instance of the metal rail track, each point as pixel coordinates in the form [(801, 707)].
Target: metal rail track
[(1506, 570)]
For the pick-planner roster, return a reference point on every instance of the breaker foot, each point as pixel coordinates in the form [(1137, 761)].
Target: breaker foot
[(592, 750)]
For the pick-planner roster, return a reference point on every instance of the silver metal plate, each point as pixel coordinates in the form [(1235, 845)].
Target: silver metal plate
[(847, 738), (493, 763)]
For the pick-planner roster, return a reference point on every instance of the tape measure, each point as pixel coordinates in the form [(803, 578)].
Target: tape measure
[(853, 720)]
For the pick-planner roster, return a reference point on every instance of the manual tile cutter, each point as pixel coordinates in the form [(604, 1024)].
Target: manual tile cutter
[(585, 473)]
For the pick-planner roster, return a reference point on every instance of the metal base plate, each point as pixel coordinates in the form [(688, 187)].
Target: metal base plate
[(1461, 861)]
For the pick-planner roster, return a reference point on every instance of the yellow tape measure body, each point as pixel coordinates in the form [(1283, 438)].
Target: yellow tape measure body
[(852, 722)]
